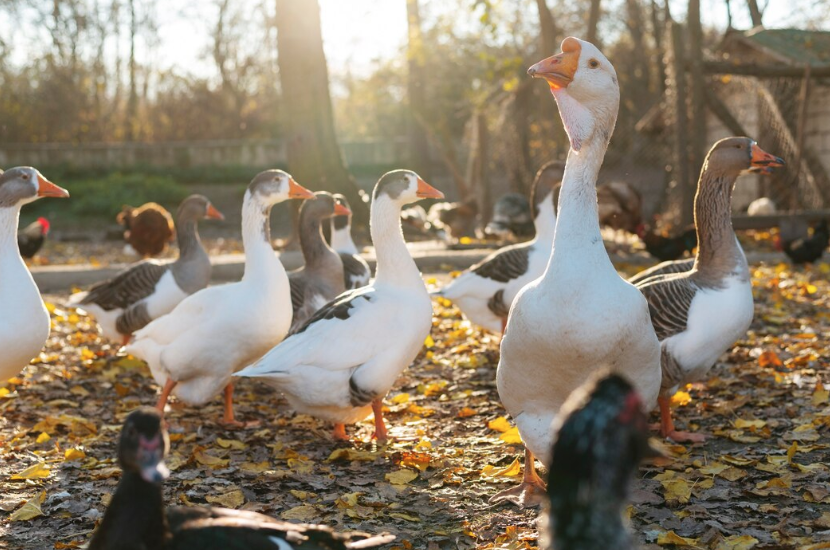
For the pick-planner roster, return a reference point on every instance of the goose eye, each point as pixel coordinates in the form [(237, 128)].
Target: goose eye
[(25, 177), (593, 63)]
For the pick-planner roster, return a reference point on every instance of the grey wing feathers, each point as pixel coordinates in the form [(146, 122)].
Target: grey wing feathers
[(355, 269), (298, 286), (128, 287), (339, 307), (505, 265), (664, 268), (133, 319), (669, 299)]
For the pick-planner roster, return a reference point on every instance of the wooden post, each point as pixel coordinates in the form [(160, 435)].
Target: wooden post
[(697, 99), (677, 85), (803, 98)]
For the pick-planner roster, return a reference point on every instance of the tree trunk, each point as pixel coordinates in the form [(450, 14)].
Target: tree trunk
[(593, 21), (658, 28), (416, 89), (697, 82), (132, 101), (314, 157), (550, 32), (755, 13)]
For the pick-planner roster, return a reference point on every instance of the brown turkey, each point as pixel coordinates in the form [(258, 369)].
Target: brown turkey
[(149, 228)]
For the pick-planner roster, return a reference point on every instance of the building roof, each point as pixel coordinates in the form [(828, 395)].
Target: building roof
[(795, 46)]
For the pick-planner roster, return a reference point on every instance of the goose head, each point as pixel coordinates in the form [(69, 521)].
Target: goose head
[(403, 187), (24, 184), (584, 84), (740, 155), (144, 444), (273, 186), (198, 207), (325, 205)]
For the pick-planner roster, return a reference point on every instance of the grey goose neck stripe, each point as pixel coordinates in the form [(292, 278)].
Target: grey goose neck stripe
[(718, 250)]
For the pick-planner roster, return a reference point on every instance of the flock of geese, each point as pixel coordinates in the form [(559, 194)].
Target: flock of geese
[(585, 354)]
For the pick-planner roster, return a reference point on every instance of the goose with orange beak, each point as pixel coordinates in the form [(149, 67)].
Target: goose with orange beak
[(340, 364), (193, 350), (149, 289), (24, 321), (579, 317)]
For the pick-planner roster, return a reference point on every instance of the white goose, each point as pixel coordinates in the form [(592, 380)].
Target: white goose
[(149, 289), (356, 271), (485, 292), (24, 321), (343, 361), (699, 314), (580, 316), (193, 351)]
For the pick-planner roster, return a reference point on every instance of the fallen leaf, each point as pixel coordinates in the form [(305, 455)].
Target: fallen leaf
[(677, 489), (74, 454), (671, 538), (304, 513), (407, 517), (820, 395), (352, 455), (231, 499), (737, 542), (35, 471), (500, 424), (231, 444), (400, 398), (511, 436), (401, 477), (31, 509), (513, 470), (210, 460)]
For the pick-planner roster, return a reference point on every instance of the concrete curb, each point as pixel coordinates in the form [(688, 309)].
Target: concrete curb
[(230, 267)]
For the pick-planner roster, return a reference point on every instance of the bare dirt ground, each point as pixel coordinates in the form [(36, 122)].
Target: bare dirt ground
[(760, 481)]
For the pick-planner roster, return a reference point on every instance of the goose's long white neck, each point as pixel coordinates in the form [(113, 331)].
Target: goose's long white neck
[(260, 260), (8, 232), (545, 220), (577, 240), (341, 239), (395, 265)]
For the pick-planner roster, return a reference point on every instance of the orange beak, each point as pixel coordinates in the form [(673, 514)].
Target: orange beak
[(46, 188), (559, 70), (340, 210), (297, 191), (213, 213), (763, 161), (426, 191)]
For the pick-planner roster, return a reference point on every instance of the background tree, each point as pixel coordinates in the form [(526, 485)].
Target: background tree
[(314, 157)]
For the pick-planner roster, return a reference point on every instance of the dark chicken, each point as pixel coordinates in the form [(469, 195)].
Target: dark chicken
[(603, 437), (136, 517), (149, 228), (30, 239), (666, 248), (804, 248)]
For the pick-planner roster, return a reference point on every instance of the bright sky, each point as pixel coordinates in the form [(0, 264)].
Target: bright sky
[(357, 33)]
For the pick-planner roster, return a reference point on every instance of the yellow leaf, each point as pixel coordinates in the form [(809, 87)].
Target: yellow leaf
[(500, 424), (407, 517), (35, 471), (742, 424), (680, 399), (429, 342), (231, 499), (791, 451), (210, 460), (415, 460), (513, 470), (4, 392), (672, 538), (465, 240), (677, 489), (31, 509), (231, 444), (820, 395), (714, 468), (737, 542), (511, 436), (424, 443), (732, 474), (738, 461), (43, 437), (769, 359), (74, 454), (79, 390), (301, 495), (400, 398), (401, 477), (304, 513), (129, 362), (466, 412)]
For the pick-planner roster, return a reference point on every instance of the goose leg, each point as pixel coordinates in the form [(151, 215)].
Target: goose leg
[(340, 432), (165, 394), (530, 492), (380, 427), (228, 419), (667, 425)]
